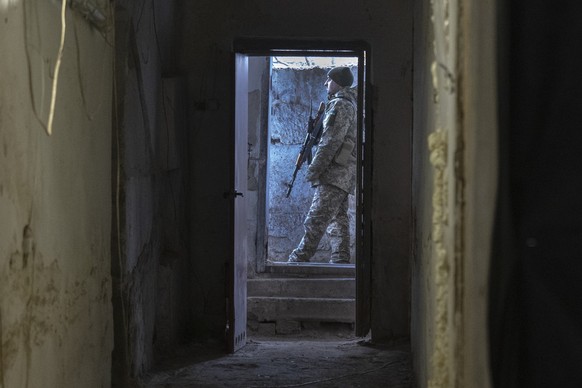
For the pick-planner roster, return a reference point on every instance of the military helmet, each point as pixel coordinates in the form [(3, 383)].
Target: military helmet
[(341, 75)]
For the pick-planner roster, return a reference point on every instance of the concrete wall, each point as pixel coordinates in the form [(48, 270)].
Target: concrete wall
[(454, 186), (55, 201), (150, 253), (209, 28)]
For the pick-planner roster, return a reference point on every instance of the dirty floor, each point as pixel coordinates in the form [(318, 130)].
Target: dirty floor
[(306, 360)]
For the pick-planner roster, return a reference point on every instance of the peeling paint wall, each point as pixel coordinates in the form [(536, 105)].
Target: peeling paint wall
[(436, 135), (454, 183), (55, 200), (445, 148)]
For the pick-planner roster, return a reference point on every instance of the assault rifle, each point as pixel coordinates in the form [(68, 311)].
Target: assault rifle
[(314, 128)]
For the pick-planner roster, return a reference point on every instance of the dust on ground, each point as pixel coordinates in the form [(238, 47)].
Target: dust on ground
[(309, 359)]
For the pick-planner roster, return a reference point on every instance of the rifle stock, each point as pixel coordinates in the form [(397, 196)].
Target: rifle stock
[(314, 128)]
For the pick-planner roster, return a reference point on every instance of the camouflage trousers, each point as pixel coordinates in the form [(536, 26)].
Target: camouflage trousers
[(328, 212)]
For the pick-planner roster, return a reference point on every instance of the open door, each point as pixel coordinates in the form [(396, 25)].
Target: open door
[(311, 51), (274, 48), (237, 295)]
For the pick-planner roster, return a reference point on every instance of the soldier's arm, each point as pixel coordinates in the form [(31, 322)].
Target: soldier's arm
[(334, 131)]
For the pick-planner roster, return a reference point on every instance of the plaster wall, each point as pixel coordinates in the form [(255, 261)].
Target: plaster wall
[(422, 306), (150, 253), (55, 201), (208, 31), (439, 177), (479, 61), (454, 185)]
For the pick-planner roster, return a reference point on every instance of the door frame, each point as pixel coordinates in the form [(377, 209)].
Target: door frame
[(361, 49)]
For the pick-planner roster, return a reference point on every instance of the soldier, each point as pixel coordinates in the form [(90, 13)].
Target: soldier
[(332, 172)]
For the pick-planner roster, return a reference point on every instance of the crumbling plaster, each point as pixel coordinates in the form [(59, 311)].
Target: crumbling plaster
[(454, 185), (55, 201)]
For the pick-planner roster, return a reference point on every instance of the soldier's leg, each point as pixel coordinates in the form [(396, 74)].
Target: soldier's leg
[(324, 206), (339, 234)]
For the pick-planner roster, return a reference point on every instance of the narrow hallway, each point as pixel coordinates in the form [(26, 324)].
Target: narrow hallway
[(331, 360)]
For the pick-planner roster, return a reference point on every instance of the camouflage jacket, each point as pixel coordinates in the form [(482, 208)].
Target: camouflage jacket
[(334, 162)]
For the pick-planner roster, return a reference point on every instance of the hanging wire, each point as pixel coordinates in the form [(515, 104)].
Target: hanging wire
[(51, 116)]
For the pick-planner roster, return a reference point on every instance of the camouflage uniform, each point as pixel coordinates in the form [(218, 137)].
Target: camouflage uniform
[(333, 174)]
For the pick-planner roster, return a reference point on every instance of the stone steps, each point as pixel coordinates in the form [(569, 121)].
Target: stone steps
[(269, 309), (342, 288), (301, 300), (313, 270)]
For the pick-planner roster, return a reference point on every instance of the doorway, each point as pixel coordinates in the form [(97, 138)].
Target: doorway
[(296, 92), (284, 87)]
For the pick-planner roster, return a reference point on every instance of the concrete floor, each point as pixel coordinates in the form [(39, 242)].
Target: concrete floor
[(309, 359)]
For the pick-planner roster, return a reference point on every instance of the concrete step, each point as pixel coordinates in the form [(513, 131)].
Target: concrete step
[(341, 288), (311, 269), (265, 309)]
